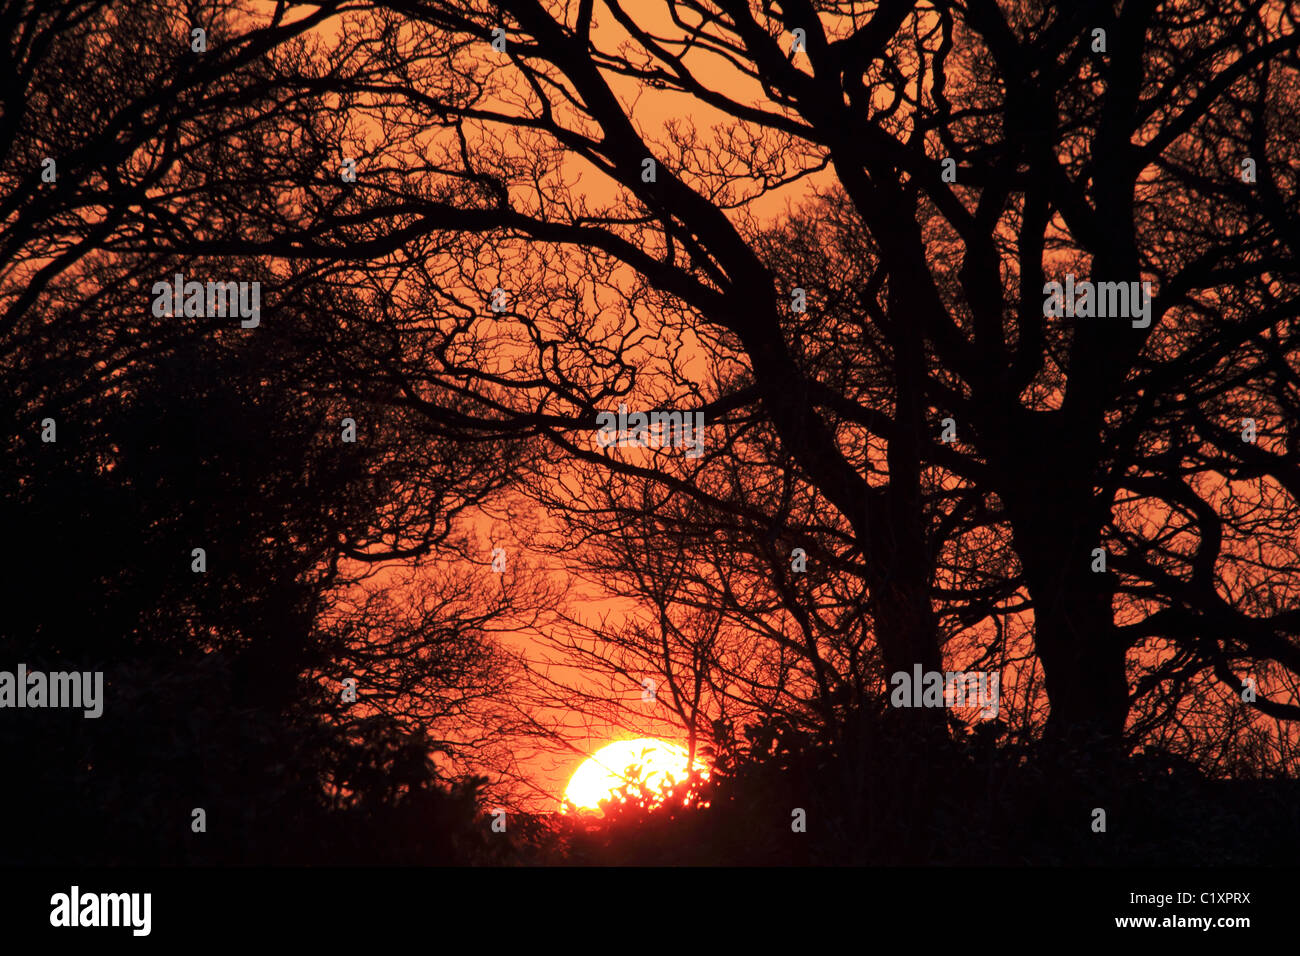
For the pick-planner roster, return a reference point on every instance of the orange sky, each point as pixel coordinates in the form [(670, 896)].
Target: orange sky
[(657, 114)]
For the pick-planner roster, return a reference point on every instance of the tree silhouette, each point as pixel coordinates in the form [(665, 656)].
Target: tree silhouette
[(1066, 156), (482, 246)]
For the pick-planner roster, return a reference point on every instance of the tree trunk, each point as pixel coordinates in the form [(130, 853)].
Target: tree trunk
[(1056, 523)]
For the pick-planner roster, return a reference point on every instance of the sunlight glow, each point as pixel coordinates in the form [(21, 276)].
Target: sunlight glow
[(656, 763)]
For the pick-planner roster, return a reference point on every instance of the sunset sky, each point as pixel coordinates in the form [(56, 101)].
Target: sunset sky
[(877, 419)]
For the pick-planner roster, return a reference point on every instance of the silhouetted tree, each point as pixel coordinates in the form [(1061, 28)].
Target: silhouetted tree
[(984, 150)]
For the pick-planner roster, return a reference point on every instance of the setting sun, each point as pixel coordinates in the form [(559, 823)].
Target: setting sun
[(656, 763)]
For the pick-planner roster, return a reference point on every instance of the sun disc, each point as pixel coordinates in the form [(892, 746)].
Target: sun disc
[(656, 763)]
